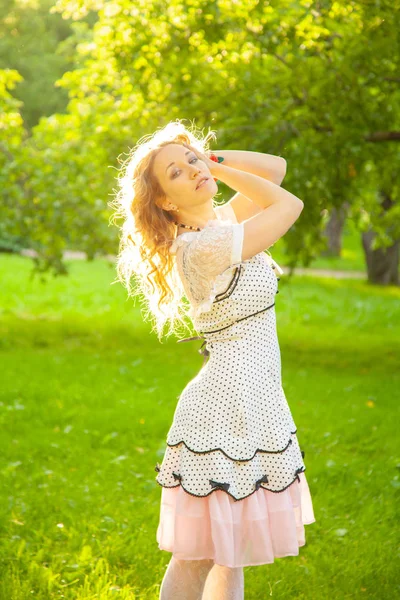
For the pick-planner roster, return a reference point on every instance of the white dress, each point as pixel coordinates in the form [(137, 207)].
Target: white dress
[(235, 405), (232, 429)]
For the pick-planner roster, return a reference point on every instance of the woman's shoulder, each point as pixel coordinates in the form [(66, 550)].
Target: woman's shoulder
[(225, 212), (181, 240), (225, 216)]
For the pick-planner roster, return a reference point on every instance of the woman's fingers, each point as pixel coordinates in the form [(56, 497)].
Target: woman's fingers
[(210, 163)]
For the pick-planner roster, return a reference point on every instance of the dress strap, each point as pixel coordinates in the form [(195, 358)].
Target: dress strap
[(273, 263), (241, 319), (204, 351)]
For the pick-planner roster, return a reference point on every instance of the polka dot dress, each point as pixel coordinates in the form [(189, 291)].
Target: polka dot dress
[(232, 429)]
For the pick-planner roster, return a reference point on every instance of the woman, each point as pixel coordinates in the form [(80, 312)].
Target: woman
[(234, 492)]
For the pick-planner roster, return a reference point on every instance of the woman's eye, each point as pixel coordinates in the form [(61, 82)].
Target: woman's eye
[(173, 176)]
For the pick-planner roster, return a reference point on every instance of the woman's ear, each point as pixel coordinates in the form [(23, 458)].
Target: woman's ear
[(161, 203), (165, 205)]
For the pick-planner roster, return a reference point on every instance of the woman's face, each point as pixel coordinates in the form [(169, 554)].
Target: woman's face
[(179, 171)]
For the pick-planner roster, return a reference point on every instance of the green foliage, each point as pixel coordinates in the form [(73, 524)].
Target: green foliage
[(32, 215), (12, 135), (29, 37), (313, 82)]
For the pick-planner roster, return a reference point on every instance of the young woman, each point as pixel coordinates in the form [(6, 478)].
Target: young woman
[(234, 492)]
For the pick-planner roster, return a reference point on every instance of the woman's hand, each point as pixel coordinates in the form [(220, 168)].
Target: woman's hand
[(212, 166)]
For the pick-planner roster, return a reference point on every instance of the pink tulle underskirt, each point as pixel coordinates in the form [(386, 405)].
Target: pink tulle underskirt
[(235, 533)]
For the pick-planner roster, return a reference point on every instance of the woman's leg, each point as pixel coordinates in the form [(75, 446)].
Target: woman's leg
[(224, 583), (185, 579)]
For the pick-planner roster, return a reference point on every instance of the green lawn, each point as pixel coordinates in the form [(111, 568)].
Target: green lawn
[(86, 399)]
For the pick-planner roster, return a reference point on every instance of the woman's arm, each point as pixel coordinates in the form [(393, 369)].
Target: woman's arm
[(267, 166), (279, 209)]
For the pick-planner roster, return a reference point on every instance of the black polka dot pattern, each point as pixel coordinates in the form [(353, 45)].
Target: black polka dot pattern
[(232, 427)]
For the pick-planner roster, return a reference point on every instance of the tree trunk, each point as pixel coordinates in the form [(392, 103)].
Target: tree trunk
[(334, 230), (382, 264)]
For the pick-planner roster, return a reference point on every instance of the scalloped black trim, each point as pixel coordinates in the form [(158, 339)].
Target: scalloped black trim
[(157, 468), (230, 457), (297, 478)]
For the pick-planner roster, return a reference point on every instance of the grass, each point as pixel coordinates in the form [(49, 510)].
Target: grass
[(87, 397)]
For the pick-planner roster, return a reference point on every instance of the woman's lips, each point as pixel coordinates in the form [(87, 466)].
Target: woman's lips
[(202, 183)]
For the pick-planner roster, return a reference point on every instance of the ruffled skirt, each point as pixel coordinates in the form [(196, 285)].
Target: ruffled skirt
[(235, 533)]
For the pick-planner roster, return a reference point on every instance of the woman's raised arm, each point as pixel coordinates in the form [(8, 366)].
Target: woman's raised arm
[(280, 208)]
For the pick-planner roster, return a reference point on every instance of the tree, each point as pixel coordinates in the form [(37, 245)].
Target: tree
[(12, 134), (314, 82), (30, 43)]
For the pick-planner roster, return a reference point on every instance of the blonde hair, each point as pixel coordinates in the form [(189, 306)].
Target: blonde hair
[(144, 264)]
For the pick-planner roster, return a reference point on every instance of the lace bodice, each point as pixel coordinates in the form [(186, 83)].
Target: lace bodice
[(206, 259)]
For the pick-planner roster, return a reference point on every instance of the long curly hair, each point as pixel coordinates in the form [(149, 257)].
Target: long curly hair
[(144, 264)]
